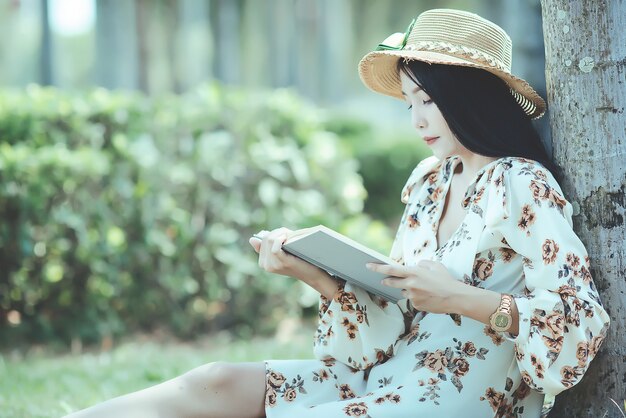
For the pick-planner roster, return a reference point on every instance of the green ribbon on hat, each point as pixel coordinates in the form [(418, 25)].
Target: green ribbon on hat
[(384, 47)]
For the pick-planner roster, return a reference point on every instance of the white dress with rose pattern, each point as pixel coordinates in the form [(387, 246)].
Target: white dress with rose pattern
[(386, 360)]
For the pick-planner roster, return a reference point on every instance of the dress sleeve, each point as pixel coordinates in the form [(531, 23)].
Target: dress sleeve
[(357, 328), (562, 322)]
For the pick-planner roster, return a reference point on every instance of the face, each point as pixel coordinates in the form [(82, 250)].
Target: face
[(428, 121)]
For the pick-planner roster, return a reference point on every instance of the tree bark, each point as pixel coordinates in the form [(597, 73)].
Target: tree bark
[(586, 83)]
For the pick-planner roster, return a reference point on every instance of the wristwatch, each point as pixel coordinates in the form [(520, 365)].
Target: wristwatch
[(501, 319)]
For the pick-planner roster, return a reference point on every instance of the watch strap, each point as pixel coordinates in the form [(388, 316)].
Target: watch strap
[(506, 302)]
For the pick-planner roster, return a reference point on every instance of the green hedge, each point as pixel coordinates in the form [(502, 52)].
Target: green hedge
[(123, 213), (386, 158)]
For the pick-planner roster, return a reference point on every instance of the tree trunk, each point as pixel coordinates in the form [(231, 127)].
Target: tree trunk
[(46, 45), (307, 47), (142, 17), (194, 48), (585, 76), (336, 40), (226, 33), (116, 44), (255, 38), (281, 14)]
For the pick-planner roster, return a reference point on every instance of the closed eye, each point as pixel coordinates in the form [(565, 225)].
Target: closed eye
[(429, 101)]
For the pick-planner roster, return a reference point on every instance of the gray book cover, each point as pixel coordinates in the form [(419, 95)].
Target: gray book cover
[(343, 258)]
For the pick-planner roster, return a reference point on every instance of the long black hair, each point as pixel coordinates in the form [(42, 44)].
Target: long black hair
[(480, 111)]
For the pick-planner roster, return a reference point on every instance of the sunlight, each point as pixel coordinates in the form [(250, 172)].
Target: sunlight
[(72, 17)]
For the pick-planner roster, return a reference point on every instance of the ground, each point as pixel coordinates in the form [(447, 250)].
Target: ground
[(38, 384)]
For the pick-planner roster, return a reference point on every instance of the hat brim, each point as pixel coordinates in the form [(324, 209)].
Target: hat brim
[(378, 71)]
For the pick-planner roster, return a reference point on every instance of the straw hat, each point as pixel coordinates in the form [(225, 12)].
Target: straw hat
[(454, 37)]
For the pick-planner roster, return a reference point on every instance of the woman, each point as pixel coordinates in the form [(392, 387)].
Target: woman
[(500, 305)]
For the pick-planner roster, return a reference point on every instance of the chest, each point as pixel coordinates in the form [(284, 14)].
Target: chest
[(452, 214)]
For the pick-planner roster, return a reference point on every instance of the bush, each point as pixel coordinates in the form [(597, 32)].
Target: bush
[(123, 213), (386, 160)]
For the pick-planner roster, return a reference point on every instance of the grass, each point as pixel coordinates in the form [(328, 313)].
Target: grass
[(39, 384)]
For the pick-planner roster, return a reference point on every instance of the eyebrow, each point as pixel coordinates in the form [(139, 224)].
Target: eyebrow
[(415, 90)]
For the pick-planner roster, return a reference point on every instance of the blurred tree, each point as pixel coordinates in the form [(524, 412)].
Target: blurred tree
[(194, 44), (281, 55), (173, 45), (585, 55), (255, 33), (118, 55), (225, 15), (336, 41), (46, 45)]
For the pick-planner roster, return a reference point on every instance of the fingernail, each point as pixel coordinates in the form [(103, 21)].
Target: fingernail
[(369, 265)]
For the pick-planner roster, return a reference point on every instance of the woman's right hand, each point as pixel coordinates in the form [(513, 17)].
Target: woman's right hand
[(273, 259)]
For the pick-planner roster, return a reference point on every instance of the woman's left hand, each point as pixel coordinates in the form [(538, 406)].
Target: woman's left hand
[(429, 286)]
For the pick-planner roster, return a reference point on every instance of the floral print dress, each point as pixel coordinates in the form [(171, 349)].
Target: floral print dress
[(383, 360)]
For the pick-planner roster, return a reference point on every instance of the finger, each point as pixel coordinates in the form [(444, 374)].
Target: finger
[(270, 238), (400, 283), (265, 253), (261, 234), (256, 244), (429, 264), (278, 244), (279, 231), (386, 269)]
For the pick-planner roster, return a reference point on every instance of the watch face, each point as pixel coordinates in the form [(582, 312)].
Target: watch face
[(501, 320)]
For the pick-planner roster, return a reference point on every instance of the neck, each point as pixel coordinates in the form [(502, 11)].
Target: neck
[(471, 164)]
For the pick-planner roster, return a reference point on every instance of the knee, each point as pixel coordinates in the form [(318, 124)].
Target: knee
[(216, 375)]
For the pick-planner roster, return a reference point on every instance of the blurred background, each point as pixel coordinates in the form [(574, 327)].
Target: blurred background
[(125, 101), (163, 46), (143, 141)]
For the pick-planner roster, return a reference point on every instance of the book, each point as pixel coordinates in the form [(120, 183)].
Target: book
[(344, 258)]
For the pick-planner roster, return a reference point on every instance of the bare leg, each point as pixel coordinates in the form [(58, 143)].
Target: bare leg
[(214, 390)]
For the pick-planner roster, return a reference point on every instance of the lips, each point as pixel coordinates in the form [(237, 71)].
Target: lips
[(430, 139)]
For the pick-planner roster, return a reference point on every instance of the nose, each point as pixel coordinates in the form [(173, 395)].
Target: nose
[(418, 121)]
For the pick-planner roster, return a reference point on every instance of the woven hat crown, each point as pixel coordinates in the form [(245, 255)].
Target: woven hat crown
[(461, 33)]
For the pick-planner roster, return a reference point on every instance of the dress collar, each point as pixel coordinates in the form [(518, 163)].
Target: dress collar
[(451, 163)]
